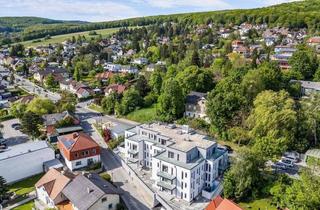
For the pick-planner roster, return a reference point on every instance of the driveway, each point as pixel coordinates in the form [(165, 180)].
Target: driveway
[(12, 135)]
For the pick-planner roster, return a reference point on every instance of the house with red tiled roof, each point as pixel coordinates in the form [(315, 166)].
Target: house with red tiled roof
[(79, 150), (115, 88), (220, 203), (104, 76), (49, 187)]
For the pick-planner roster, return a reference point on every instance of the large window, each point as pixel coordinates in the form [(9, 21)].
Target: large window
[(78, 163), (170, 154)]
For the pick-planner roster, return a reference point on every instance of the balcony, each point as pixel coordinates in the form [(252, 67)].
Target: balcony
[(133, 160), (166, 175), (213, 191), (166, 185), (134, 152)]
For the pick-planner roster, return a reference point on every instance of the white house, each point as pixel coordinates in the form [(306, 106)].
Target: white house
[(140, 61), (24, 160), (49, 188)]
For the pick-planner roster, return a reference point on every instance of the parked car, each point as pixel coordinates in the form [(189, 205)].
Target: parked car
[(287, 163), (14, 125)]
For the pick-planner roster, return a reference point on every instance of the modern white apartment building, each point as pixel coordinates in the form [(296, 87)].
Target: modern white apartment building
[(183, 162)]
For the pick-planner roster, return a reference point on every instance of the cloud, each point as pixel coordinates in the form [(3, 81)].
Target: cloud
[(274, 2), (93, 10), (200, 4)]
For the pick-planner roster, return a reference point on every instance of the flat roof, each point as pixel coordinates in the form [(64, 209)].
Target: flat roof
[(163, 157), (183, 139), (22, 149), (313, 153)]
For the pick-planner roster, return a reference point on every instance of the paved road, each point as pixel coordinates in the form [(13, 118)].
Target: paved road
[(133, 195), (11, 135), (35, 89)]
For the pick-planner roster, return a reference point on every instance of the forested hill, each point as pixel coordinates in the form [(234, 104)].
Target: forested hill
[(11, 24), (293, 15)]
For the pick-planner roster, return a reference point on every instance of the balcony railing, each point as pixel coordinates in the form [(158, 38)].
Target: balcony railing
[(166, 175), (166, 185), (134, 152)]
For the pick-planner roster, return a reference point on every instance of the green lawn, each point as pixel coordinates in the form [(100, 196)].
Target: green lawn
[(25, 186), (26, 206), (143, 115), (95, 108), (262, 204), (61, 38)]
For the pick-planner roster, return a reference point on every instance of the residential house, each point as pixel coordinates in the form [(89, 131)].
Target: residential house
[(184, 163), (282, 55), (196, 105), (112, 67), (314, 42), (104, 76), (116, 88), (51, 120), (24, 160), (308, 87), (49, 187), (129, 69), (90, 191), (41, 75), (220, 203), (79, 89), (140, 61), (79, 150)]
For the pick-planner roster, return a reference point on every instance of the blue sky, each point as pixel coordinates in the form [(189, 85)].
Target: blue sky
[(103, 10)]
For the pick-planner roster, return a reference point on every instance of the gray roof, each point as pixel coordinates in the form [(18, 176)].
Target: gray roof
[(51, 119), (308, 84), (193, 97), (55, 163), (86, 190), (69, 129), (22, 149), (52, 70), (313, 153)]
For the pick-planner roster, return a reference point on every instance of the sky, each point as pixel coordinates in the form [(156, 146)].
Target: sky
[(104, 10)]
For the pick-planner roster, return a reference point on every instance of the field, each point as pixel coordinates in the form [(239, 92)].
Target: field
[(26, 206), (25, 186), (143, 115), (61, 38), (259, 204)]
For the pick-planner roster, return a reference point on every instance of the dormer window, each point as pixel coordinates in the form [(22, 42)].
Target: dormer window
[(104, 199)]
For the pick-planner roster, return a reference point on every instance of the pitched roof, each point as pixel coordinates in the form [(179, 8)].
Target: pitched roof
[(104, 75), (193, 97), (116, 88), (53, 182), (51, 119), (222, 204), (85, 190), (52, 70), (77, 141)]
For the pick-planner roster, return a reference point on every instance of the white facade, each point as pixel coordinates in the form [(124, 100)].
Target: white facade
[(81, 163), (43, 196), (24, 160), (183, 163)]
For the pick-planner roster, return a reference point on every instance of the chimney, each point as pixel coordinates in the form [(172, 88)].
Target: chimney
[(75, 135)]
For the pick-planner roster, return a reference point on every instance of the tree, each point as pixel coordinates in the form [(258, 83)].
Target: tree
[(243, 180), (272, 123), (18, 109), (310, 108), (195, 58), (130, 101), (304, 60), (142, 86), (171, 101), (17, 50), (4, 190), (108, 103), (67, 102), (50, 82), (155, 81), (30, 123), (41, 106), (224, 103), (76, 74)]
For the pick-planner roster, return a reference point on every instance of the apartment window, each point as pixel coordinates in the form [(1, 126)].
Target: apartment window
[(181, 174), (185, 195), (181, 185), (110, 206), (178, 157), (104, 199), (78, 163), (185, 185), (170, 154), (158, 165), (76, 155), (185, 175), (164, 168), (163, 142), (94, 151)]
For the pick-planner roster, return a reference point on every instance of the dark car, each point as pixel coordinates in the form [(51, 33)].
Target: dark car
[(14, 125)]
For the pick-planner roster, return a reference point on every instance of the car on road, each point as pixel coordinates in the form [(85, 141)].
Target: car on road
[(14, 125)]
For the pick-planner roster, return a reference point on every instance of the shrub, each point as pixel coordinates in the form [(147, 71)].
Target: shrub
[(106, 177)]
